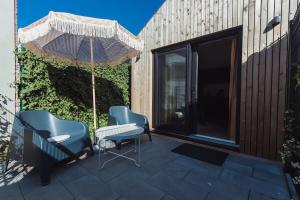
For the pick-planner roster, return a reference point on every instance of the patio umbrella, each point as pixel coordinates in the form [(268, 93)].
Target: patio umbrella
[(80, 39)]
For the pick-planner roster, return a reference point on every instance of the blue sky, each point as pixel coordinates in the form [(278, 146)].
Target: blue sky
[(132, 14)]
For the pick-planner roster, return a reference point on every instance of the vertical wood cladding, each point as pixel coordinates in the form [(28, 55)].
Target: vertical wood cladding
[(263, 68)]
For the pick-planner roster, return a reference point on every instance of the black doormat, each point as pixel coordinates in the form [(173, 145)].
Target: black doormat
[(200, 153)]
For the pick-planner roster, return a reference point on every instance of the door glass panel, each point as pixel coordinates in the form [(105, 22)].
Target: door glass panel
[(172, 69)]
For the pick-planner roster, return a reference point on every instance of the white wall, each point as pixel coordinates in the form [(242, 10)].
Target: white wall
[(7, 46)]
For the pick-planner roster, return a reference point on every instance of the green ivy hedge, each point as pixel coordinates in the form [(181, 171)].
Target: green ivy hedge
[(66, 90)]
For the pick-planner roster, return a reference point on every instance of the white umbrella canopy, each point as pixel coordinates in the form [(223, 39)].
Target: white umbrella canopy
[(79, 39)]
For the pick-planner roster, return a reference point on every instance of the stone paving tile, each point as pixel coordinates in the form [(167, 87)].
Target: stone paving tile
[(159, 162), (192, 164), (144, 191), (178, 188), (11, 192), (90, 188), (200, 178), (163, 175), (31, 183), (216, 185), (131, 185), (221, 196), (256, 163), (175, 170), (53, 191), (111, 170), (242, 160), (259, 196), (269, 177), (168, 197), (67, 174), (269, 189), (158, 152), (243, 169), (230, 191), (126, 181), (269, 168)]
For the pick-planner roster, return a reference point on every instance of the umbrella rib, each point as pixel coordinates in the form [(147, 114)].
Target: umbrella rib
[(104, 52), (52, 40), (48, 43), (77, 53)]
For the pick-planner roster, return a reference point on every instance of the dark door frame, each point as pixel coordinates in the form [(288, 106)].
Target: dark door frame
[(232, 32), (156, 84)]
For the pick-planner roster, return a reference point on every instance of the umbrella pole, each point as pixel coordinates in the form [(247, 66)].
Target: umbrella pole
[(93, 83)]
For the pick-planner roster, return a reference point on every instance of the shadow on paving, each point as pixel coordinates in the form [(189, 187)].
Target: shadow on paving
[(162, 175)]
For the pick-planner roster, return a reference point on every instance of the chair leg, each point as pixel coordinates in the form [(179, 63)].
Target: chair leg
[(91, 147), (45, 170), (149, 135), (45, 175)]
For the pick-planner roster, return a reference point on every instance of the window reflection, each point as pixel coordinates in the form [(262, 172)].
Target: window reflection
[(172, 88)]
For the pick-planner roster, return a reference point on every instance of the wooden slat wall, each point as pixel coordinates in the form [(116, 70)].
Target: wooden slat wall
[(263, 67)]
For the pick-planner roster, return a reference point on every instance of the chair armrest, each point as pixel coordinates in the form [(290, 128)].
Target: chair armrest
[(139, 120)]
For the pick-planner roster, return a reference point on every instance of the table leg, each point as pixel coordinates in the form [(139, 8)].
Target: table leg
[(99, 156), (139, 152)]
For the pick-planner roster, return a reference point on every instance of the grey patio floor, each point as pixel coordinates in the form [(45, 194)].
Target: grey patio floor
[(163, 175)]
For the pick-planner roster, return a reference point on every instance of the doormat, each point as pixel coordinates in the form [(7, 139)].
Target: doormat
[(200, 153)]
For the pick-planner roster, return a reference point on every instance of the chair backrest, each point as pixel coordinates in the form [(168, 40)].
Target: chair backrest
[(120, 113), (40, 120)]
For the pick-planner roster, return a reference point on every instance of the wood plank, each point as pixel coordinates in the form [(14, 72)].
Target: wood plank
[(193, 19), (275, 82), (207, 18), (141, 75), (159, 28), (182, 20), (199, 18), (211, 16), (268, 83), (283, 71), (235, 13), (177, 22), (244, 77), (216, 15), (292, 8), (203, 20), (166, 23), (148, 75), (220, 22), (225, 14), (249, 90), (255, 78), (261, 78), (229, 14), (188, 20), (240, 5)]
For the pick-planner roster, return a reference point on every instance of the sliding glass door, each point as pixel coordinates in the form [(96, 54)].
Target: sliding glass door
[(171, 89), (196, 88)]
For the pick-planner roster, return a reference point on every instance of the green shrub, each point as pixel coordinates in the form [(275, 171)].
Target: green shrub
[(66, 90)]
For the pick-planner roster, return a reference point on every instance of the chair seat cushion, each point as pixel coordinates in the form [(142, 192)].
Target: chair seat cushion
[(76, 142), (59, 138)]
